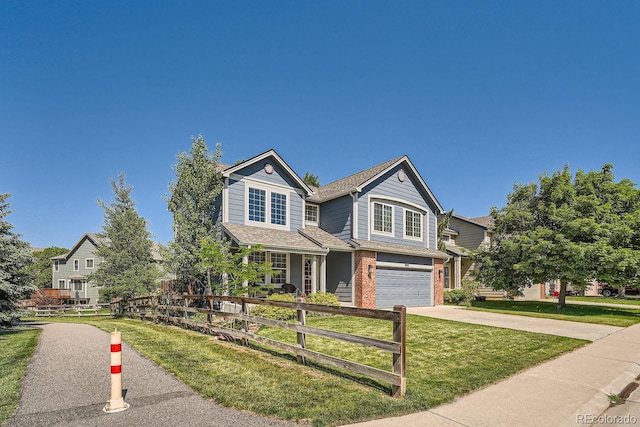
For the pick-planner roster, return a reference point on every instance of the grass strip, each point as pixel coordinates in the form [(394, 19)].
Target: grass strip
[(607, 300), (614, 316), (444, 360), (16, 349)]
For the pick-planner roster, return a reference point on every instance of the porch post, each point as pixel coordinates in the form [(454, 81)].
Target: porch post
[(323, 273), (458, 272)]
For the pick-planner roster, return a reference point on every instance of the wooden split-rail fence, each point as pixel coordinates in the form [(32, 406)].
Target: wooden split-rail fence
[(181, 310)]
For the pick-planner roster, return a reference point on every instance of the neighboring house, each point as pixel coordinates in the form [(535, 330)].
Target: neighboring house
[(370, 238), (465, 235), (71, 270)]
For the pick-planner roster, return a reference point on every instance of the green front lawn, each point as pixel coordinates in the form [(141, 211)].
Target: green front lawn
[(629, 300), (614, 316), (444, 359), (16, 348)]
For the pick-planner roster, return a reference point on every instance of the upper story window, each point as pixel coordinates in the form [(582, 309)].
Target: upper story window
[(412, 224), (311, 214), (88, 263), (56, 265), (278, 209), (267, 207), (76, 265), (257, 204), (382, 218)]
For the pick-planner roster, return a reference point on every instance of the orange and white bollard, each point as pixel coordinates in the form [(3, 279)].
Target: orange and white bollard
[(116, 403)]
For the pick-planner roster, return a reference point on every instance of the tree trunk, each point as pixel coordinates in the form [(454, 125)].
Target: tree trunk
[(562, 296)]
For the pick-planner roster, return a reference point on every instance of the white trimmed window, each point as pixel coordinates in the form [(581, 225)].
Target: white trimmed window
[(382, 218), (78, 285), (267, 207), (257, 205), (279, 262), (278, 209), (311, 214), (56, 265), (88, 263), (412, 224), (76, 265), (62, 284)]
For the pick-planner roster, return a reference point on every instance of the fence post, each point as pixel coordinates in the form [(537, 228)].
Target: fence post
[(245, 324), (186, 305), (301, 336), (399, 360)]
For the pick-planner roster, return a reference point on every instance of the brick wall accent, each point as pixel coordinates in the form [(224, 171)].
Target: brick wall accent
[(438, 281), (365, 286)]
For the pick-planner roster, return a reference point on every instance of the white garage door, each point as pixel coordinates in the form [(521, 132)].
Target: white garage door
[(411, 288)]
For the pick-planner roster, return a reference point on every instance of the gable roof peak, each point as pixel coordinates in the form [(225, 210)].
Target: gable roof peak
[(269, 153)]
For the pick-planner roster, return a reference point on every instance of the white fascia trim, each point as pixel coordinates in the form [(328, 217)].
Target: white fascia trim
[(354, 216), (364, 184), (403, 266), (225, 201)]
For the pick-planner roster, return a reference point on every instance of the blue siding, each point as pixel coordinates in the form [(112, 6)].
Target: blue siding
[(336, 217), (236, 202), (389, 185), (278, 177), (295, 273)]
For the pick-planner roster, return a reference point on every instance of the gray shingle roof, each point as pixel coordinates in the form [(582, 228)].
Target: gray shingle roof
[(324, 239), (289, 241), (457, 250), (399, 249), (350, 183)]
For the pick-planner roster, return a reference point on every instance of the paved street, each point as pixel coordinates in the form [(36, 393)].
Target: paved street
[(68, 384)]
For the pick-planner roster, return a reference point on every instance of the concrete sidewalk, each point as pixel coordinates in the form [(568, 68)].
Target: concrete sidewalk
[(68, 384), (563, 328), (572, 390)]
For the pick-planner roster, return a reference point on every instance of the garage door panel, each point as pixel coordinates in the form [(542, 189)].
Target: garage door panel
[(411, 288)]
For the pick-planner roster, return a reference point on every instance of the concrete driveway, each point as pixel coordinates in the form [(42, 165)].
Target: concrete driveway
[(585, 331)]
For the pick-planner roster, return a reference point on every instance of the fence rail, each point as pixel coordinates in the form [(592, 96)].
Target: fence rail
[(69, 310), (179, 310)]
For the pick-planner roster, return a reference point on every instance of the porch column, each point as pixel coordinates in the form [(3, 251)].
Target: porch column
[(323, 273), (458, 272)]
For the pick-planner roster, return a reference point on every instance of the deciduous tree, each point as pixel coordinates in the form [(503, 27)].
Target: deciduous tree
[(572, 229), (40, 272), (192, 200)]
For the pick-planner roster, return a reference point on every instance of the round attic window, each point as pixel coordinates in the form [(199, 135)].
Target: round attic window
[(401, 175), (268, 168)]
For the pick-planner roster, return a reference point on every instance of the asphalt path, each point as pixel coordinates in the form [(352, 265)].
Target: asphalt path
[(68, 384)]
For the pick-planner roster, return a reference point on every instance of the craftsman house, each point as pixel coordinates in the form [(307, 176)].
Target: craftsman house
[(370, 238)]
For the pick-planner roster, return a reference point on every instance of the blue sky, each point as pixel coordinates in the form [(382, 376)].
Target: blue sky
[(480, 95)]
